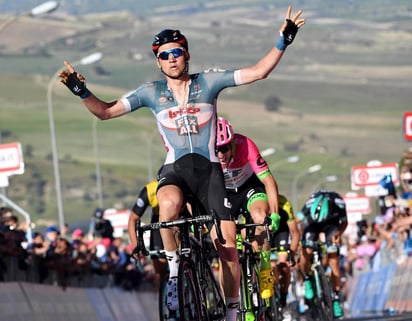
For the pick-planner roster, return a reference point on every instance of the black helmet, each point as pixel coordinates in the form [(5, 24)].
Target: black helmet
[(166, 36)]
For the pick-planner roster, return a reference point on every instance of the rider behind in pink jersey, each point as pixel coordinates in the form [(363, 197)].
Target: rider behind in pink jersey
[(251, 188)]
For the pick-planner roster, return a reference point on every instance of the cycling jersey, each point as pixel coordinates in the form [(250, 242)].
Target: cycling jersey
[(147, 197), (281, 239), (335, 219), (246, 161), (185, 129), (336, 210)]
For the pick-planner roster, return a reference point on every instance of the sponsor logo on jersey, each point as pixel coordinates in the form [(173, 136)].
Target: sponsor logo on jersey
[(187, 125), (261, 161), (180, 112)]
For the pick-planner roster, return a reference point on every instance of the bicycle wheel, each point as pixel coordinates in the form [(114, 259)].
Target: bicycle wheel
[(326, 297), (215, 304), (190, 308), (294, 302), (272, 307)]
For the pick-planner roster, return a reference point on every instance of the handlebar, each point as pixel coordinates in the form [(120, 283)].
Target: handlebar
[(266, 223), (176, 223)]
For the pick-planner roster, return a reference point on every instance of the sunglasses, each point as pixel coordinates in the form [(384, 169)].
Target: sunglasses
[(223, 149), (176, 52)]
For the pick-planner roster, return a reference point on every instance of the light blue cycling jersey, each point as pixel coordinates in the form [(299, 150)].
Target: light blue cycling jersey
[(191, 129)]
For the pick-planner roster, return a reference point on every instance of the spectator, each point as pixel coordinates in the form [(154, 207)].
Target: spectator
[(365, 252), (77, 238)]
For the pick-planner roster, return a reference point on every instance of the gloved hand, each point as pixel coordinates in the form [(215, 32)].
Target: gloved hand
[(77, 86), (289, 29), (275, 217), (288, 35)]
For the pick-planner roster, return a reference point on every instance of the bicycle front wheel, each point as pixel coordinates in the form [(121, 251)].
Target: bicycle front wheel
[(326, 297), (272, 307), (215, 303), (189, 303)]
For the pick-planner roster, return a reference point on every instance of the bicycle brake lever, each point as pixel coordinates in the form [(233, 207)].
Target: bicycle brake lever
[(216, 222), (268, 222)]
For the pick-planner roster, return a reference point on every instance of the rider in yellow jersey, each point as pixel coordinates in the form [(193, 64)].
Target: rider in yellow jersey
[(285, 241), (147, 198)]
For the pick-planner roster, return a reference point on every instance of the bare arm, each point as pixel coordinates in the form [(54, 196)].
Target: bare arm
[(294, 235), (131, 227), (101, 109), (271, 188), (265, 65)]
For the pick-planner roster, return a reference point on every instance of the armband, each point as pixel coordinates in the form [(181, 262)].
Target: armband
[(86, 94), (280, 44)]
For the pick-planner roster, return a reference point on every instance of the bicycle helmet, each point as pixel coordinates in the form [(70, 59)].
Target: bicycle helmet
[(166, 36), (224, 132), (319, 209)]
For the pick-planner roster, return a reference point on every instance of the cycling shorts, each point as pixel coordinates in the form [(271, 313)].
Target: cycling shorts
[(196, 176), (281, 241), (311, 232), (242, 197)]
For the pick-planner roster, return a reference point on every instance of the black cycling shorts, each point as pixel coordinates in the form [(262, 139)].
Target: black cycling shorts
[(196, 176)]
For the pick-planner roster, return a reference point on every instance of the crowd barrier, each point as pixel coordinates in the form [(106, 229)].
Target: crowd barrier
[(40, 302), (388, 289)]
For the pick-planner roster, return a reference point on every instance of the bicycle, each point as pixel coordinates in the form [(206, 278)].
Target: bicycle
[(200, 296), (320, 308), (252, 306)]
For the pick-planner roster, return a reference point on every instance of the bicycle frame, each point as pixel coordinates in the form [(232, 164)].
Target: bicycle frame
[(252, 306), (195, 278)]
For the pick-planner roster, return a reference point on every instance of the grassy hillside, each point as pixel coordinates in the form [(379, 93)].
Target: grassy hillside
[(343, 86)]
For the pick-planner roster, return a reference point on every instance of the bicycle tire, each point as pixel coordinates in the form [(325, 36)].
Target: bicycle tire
[(272, 308), (294, 302), (215, 304), (190, 308), (245, 311), (326, 297)]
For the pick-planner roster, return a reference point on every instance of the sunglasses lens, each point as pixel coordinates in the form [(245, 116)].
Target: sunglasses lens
[(176, 52), (223, 149)]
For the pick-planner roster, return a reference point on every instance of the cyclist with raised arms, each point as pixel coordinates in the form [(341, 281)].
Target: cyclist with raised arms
[(323, 212), (185, 108), (285, 241), (252, 190)]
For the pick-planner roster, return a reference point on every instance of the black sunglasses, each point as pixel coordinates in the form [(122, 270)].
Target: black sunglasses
[(176, 52), (224, 148)]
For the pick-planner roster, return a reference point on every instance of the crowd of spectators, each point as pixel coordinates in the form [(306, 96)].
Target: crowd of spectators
[(69, 259), (386, 237)]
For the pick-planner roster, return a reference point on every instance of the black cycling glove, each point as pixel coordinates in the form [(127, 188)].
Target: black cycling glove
[(288, 35), (290, 32), (76, 86)]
